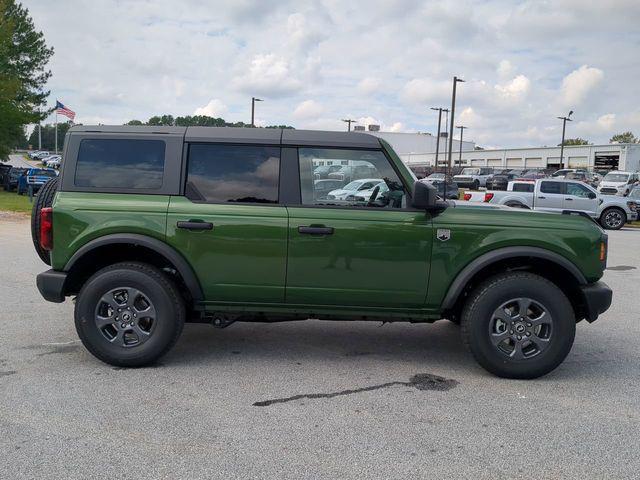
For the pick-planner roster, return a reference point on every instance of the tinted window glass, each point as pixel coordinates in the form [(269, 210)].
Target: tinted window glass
[(523, 187), (232, 173), (578, 190), (365, 179), (120, 163), (551, 187)]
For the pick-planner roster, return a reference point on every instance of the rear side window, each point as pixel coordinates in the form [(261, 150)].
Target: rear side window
[(551, 187), (120, 163), (523, 187), (233, 173)]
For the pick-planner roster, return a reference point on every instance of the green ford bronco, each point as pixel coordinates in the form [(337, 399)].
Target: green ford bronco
[(152, 227)]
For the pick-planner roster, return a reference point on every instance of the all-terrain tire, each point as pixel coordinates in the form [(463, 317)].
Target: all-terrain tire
[(42, 200), (613, 218), (155, 288), (479, 317)]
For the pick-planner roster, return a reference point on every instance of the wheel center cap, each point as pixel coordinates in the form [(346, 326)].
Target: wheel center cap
[(520, 328), (126, 316)]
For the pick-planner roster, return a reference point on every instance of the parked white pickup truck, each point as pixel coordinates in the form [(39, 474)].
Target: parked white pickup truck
[(557, 195)]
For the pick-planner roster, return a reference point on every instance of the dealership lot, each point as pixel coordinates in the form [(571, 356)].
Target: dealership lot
[(65, 414)]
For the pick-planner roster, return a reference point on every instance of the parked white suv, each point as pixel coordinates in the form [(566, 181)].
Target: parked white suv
[(473, 177), (618, 183)]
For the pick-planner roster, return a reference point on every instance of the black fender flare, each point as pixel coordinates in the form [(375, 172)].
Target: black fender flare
[(182, 266), (483, 261)]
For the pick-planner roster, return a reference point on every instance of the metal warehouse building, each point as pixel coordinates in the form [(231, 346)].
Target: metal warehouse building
[(623, 156)]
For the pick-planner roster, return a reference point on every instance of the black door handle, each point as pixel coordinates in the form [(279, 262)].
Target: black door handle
[(542, 198), (191, 225), (313, 230), (569, 199)]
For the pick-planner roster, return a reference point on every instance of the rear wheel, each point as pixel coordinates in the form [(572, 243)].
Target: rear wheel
[(518, 325), (613, 218), (42, 200), (129, 314)]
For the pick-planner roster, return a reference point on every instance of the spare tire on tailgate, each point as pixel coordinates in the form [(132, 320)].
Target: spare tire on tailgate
[(42, 200)]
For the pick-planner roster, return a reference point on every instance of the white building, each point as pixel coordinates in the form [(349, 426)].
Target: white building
[(409, 144), (623, 156)]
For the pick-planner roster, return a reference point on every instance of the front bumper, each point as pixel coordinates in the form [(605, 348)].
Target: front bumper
[(51, 285), (596, 299)]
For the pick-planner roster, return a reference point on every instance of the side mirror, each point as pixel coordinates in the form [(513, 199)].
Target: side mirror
[(424, 196), (592, 195)]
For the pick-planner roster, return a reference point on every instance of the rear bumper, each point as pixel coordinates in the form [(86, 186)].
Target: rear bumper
[(51, 285), (597, 299)]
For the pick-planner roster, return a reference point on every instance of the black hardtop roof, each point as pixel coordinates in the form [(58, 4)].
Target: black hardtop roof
[(274, 136)]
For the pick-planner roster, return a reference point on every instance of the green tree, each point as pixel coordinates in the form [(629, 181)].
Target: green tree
[(134, 122), (49, 135), (23, 58), (626, 137), (575, 141)]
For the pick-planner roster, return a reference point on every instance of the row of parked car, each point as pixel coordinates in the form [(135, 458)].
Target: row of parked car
[(25, 179), (48, 159)]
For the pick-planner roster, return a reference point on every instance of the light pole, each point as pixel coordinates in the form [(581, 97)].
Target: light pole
[(439, 110), (349, 121), (461, 127), (253, 109), (564, 126), (453, 113)]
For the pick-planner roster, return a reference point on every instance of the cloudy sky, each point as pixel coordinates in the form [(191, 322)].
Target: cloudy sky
[(384, 62)]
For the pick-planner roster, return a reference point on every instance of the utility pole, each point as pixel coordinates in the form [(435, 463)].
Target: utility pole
[(439, 110), (349, 121), (461, 127), (564, 126), (453, 112), (40, 135), (253, 109)]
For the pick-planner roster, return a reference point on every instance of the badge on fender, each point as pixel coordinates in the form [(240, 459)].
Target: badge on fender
[(443, 234)]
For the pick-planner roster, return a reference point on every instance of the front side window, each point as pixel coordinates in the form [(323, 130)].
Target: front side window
[(364, 179), (578, 190), (551, 187), (120, 163), (233, 173)]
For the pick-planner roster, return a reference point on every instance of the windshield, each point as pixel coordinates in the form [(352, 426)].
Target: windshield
[(353, 185), (436, 175), (616, 177), (470, 171)]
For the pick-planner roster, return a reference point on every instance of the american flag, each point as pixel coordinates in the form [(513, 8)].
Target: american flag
[(62, 110)]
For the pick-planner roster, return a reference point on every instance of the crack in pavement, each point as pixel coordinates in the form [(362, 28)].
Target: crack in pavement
[(421, 381)]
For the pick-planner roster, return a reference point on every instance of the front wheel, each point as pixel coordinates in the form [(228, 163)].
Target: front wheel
[(613, 218), (129, 314), (518, 325)]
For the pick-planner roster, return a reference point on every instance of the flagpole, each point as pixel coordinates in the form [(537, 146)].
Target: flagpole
[(56, 129)]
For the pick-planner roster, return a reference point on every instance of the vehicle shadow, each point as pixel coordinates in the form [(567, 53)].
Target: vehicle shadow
[(318, 341)]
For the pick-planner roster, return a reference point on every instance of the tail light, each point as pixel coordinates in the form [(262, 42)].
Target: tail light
[(46, 228), (488, 197), (467, 196)]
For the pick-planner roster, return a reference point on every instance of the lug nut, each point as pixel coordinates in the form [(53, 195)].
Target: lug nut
[(528, 324), (123, 325), (519, 337), (511, 332), (528, 334)]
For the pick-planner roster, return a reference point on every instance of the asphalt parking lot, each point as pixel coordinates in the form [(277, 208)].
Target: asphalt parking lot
[(63, 414)]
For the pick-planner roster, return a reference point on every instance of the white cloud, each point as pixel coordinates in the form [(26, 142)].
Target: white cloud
[(469, 118), (516, 89), (268, 75), (607, 121), (369, 85), (579, 84), (215, 108), (308, 109), (302, 34), (397, 127), (421, 90), (505, 69)]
